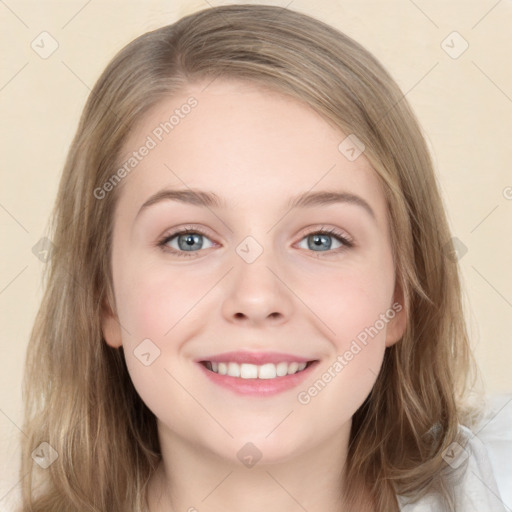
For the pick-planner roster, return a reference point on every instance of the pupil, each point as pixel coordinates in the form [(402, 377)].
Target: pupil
[(187, 241), (318, 239)]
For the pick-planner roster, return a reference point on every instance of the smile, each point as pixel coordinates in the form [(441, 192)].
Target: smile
[(255, 374)]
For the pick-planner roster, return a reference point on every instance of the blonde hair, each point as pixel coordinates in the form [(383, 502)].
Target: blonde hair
[(77, 391)]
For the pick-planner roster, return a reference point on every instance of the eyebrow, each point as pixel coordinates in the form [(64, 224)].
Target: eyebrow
[(212, 200)]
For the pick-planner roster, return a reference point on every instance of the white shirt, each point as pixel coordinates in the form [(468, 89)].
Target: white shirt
[(475, 488)]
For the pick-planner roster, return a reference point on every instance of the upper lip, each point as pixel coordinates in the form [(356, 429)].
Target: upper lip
[(257, 358)]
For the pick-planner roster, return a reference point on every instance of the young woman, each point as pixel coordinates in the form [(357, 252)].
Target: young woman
[(252, 303)]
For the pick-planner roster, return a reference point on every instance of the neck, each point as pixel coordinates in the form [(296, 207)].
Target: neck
[(194, 479)]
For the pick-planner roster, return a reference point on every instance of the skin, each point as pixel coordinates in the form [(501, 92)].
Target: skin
[(255, 149)]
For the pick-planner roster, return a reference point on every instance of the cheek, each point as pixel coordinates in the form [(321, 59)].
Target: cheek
[(351, 306), (154, 301), (350, 301), (156, 308)]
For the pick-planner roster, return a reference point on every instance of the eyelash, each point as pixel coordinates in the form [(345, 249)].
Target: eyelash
[(343, 238)]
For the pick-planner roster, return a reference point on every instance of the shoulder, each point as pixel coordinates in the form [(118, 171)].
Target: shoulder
[(471, 478)]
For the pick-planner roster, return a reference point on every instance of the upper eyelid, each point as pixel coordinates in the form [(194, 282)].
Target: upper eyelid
[(185, 229)]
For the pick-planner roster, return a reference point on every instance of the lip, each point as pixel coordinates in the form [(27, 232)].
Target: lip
[(257, 387), (258, 358)]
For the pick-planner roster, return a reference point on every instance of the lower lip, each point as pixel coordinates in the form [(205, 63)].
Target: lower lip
[(259, 387)]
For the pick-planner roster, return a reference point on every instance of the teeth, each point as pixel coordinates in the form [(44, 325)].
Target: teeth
[(246, 371), (253, 371), (292, 368), (282, 369), (233, 370)]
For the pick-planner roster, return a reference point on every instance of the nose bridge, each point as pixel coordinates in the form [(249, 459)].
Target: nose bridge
[(256, 292), (253, 264)]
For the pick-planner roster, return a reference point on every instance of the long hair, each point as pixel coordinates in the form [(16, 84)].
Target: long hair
[(77, 391)]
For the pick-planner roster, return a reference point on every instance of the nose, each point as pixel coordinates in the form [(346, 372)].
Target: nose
[(257, 293)]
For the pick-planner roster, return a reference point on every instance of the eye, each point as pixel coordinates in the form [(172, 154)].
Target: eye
[(322, 239), (188, 240)]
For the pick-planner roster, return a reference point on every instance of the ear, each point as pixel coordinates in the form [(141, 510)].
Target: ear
[(110, 326), (397, 325)]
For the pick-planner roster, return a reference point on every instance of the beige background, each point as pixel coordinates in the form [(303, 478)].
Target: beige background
[(464, 103)]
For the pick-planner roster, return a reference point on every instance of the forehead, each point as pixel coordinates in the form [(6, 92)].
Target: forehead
[(245, 142)]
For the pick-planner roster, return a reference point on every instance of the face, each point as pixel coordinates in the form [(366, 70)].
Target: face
[(255, 286)]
